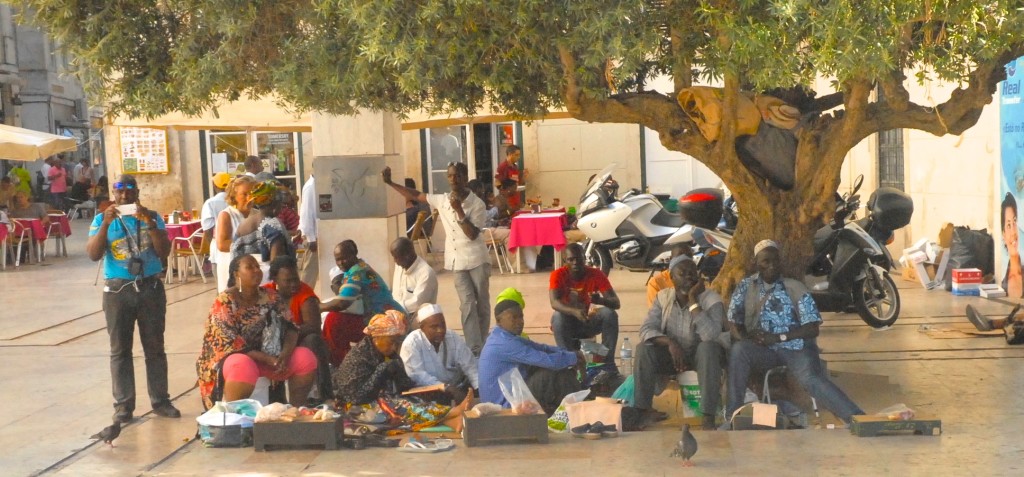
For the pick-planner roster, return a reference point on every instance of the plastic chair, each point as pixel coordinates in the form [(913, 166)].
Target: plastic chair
[(21, 234), (419, 237), (500, 252), (77, 206), (4, 243), (56, 232), (194, 250)]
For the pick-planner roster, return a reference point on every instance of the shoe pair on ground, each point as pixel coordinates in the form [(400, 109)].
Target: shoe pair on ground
[(166, 409), (595, 430)]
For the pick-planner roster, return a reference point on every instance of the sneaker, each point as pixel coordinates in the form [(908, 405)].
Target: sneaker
[(123, 416), (166, 410), (580, 431), (595, 431), (978, 320)]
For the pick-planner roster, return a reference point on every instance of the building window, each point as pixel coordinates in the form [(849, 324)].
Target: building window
[(445, 145), (890, 158)]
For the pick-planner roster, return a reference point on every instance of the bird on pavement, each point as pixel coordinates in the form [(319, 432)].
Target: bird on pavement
[(686, 447), (109, 433)]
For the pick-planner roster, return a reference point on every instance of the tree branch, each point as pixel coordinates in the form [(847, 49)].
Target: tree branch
[(960, 112)]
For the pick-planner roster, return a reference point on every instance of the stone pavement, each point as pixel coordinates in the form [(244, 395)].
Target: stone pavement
[(54, 349)]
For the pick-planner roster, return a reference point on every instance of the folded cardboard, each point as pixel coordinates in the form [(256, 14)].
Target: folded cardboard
[(918, 267)]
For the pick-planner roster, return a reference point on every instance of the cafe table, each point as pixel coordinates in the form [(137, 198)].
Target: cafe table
[(537, 230)]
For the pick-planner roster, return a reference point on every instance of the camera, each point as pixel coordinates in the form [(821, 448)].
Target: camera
[(135, 266)]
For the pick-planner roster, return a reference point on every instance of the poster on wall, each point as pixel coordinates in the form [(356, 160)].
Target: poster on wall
[(144, 151), (1011, 138)]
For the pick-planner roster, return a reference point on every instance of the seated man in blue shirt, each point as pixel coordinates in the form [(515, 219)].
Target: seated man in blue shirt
[(776, 322), (550, 372)]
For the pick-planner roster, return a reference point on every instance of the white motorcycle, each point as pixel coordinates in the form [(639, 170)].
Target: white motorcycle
[(634, 230)]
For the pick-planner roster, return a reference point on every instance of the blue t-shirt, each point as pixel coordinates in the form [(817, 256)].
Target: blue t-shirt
[(119, 248)]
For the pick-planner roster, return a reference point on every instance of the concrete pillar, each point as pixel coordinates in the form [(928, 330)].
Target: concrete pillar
[(349, 153)]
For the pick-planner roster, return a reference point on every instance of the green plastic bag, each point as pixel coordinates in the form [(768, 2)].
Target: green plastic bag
[(625, 391)]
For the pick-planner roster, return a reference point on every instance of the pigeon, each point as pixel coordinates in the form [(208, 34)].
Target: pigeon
[(109, 433), (686, 447)]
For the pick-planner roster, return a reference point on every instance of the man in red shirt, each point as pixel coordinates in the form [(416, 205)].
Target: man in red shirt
[(584, 304), (509, 170)]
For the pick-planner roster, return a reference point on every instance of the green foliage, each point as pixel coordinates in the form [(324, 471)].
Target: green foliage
[(148, 57)]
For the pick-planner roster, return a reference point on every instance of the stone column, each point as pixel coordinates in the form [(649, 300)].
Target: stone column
[(349, 153)]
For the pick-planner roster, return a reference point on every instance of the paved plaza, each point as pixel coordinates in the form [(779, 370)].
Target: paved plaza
[(54, 350)]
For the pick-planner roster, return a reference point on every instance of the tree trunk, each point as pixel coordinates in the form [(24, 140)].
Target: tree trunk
[(790, 218)]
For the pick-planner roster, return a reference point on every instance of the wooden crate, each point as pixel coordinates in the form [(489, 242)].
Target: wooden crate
[(870, 426), (298, 433), (505, 427)]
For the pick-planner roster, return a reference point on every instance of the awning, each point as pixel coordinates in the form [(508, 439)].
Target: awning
[(20, 144), (263, 114)]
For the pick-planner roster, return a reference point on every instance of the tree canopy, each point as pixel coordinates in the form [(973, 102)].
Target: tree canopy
[(593, 58)]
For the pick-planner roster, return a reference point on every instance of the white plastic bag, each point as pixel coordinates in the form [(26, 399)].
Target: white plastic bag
[(897, 412), (518, 394), (559, 420)]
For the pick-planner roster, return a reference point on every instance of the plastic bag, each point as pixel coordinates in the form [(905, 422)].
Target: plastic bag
[(514, 388), (228, 424), (559, 420), (970, 249), (625, 391), (897, 412), (271, 412)]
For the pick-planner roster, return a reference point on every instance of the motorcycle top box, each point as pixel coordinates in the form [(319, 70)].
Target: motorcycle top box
[(702, 207), (891, 208)]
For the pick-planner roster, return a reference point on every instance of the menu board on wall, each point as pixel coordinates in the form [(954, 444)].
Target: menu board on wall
[(144, 151)]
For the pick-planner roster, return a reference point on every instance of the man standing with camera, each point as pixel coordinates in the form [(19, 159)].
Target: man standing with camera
[(133, 240)]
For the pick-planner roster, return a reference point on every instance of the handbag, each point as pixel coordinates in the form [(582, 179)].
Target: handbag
[(273, 333)]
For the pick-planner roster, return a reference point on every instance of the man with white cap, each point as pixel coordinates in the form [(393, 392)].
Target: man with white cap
[(434, 356), (775, 322), (684, 330)]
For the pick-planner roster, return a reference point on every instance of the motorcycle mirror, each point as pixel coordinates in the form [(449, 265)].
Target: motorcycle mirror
[(859, 181)]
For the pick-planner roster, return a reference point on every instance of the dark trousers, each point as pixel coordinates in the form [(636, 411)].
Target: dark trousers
[(745, 357), (550, 386), (653, 361), (315, 342), (123, 307), (569, 330)]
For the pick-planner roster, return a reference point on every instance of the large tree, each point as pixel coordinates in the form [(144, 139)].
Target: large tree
[(590, 57)]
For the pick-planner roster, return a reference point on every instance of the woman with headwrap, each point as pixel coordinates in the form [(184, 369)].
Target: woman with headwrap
[(374, 367), (261, 234)]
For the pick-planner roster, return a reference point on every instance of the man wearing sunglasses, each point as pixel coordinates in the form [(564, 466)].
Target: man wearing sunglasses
[(132, 240), (465, 253)]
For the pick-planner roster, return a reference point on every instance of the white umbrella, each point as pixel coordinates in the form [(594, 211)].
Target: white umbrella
[(20, 144)]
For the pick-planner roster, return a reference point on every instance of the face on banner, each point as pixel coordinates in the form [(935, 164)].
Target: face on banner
[(1011, 135)]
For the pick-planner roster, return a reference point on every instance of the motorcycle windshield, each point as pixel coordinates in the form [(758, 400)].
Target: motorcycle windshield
[(599, 179)]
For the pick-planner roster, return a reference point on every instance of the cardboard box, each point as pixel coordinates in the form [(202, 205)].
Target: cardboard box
[(991, 290), (918, 268), (503, 427), (870, 426), (966, 275), (966, 292)]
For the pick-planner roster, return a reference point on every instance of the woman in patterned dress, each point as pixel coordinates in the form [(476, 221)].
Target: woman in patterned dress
[(233, 343)]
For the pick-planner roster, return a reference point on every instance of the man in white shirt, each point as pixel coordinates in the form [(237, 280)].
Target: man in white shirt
[(212, 208), (414, 283), (433, 356), (307, 227), (465, 253)]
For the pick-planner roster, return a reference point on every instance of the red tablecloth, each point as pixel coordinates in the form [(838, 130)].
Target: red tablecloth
[(61, 219), (183, 229), (35, 227), (534, 230)]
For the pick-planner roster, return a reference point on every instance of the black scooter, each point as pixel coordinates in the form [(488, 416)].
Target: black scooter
[(850, 270)]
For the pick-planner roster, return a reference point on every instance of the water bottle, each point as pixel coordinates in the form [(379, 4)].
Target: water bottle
[(626, 356)]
